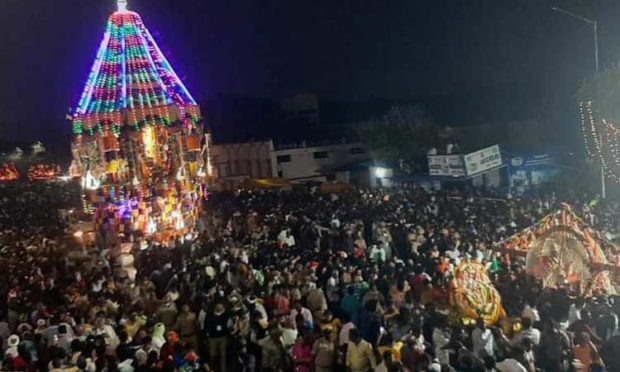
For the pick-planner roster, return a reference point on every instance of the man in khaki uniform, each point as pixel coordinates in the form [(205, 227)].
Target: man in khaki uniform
[(317, 302), (324, 352), (186, 326)]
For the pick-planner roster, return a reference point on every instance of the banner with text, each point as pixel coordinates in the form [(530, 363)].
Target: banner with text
[(483, 160), (446, 165)]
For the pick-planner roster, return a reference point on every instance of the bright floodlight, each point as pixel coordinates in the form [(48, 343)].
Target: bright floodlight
[(380, 172)]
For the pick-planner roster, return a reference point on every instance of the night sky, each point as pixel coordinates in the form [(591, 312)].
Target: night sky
[(341, 49)]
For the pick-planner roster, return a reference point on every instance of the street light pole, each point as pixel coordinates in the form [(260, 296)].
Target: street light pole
[(603, 185), (594, 25)]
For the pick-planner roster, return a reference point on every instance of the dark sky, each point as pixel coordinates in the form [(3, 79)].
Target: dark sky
[(342, 49)]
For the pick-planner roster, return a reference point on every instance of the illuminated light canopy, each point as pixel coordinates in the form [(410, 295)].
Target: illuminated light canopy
[(138, 137), (131, 82), (122, 5)]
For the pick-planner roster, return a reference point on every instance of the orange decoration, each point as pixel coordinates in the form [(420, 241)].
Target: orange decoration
[(562, 249), (110, 143), (193, 143), (9, 173), (43, 172)]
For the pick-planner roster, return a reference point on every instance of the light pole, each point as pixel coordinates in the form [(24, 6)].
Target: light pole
[(594, 25)]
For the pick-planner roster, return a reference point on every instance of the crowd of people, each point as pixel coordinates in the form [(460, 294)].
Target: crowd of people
[(293, 281)]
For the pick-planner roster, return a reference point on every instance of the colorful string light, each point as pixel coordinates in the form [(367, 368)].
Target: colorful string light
[(602, 140), (131, 73)]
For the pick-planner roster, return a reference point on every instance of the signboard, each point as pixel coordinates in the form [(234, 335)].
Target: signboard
[(446, 165), (525, 172), (483, 160)]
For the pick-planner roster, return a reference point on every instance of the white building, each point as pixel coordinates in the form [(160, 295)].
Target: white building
[(302, 163), (233, 163)]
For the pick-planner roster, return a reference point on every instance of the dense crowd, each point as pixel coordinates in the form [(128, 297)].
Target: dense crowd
[(293, 281)]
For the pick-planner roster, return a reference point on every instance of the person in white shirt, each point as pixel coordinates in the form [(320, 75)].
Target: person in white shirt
[(142, 353), (12, 344), (306, 313), (377, 253), (289, 333), (454, 254), (64, 337), (483, 340), (478, 256), (158, 339), (441, 338), (527, 332), (108, 333), (285, 238), (530, 312), (574, 313), (510, 365), (333, 288)]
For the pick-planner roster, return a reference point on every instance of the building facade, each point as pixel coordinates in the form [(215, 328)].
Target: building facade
[(234, 162), (302, 163)]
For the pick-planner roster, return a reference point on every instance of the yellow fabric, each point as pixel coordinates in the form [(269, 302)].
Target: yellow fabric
[(334, 326), (266, 183), (472, 295), (133, 327), (396, 348)]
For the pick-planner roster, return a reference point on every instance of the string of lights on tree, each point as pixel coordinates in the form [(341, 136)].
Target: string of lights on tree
[(601, 139)]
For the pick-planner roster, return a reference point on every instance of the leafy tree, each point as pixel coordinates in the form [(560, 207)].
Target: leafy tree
[(22, 161), (603, 90), (37, 149), (403, 134)]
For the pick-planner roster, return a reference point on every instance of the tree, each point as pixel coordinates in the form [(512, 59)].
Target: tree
[(603, 90), (22, 161), (15, 156), (403, 134), (37, 149)]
